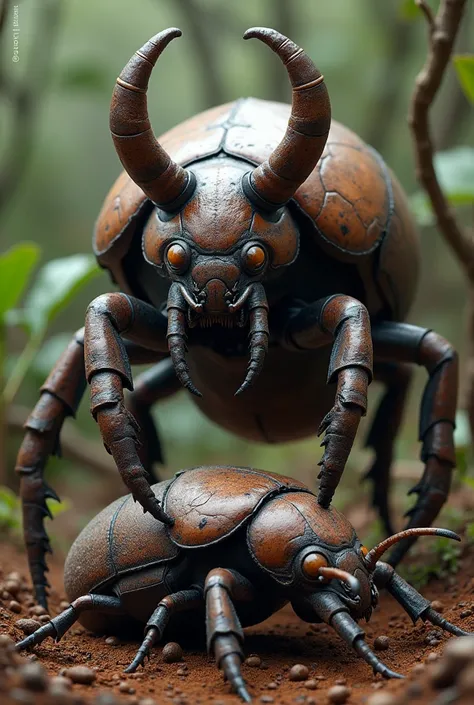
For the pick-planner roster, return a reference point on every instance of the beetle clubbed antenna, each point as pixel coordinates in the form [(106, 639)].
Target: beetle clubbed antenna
[(338, 574), (376, 553), (258, 334)]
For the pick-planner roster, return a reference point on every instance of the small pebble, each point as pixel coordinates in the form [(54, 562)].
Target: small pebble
[(27, 626), (253, 661), (432, 657), (381, 699), (63, 605), (172, 652), (182, 672), (43, 619), (81, 674), (272, 686), (112, 641), (146, 701), (418, 669), (15, 606), (18, 695), (37, 610), (33, 677), (340, 681), (381, 643), (299, 672), (312, 684), (61, 681), (437, 605), (105, 699), (464, 613), (267, 699), (125, 687), (339, 694), (13, 587)]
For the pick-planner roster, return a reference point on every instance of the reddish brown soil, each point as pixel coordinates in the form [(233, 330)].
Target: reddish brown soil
[(281, 642)]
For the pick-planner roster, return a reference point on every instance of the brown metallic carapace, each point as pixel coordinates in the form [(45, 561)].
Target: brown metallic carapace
[(243, 543), (259, 249)]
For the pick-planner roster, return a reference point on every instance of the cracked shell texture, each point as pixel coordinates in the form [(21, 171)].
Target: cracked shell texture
[(209, 503)]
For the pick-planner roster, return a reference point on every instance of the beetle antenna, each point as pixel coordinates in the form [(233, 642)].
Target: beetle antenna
[(338, 574), (259, 334), (377, 552), (176, 336)]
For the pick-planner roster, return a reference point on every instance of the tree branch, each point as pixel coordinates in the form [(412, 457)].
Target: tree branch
[(442, 31)]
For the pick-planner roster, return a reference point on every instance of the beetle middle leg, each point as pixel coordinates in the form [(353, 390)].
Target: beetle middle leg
[(156, 625), (345, 321), (58, 626), (403, 342), (383, 433)]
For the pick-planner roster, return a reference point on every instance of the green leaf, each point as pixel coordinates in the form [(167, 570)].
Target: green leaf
[(16, 266), (464, 64), (409, 10), (455, 171), (84, 76), (54, 287), (50, 353)]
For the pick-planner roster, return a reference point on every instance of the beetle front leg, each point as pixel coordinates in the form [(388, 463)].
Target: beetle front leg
[(346, 321), (108, 372), (414, 604)]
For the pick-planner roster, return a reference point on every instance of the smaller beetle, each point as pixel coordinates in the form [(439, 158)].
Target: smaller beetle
[(243, 544)]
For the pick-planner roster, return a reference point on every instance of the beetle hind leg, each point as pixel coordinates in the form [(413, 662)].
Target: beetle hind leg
[(60, 397), (224, 633), (403, 342), (383, 433), (156, 625), (58, 626)]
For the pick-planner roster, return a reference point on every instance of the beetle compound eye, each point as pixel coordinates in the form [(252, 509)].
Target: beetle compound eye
[(177, 257), (364, 550), (254, 258), (312, 563)]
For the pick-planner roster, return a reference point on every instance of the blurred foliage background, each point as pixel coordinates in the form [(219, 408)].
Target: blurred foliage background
[(57, 162)]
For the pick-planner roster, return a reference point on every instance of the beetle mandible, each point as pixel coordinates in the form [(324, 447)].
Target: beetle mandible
[(251, 225), (243, 544)]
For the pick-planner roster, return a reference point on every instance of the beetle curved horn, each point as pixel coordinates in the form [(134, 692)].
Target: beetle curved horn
[(274, 182), (166, 183), (377, 552)]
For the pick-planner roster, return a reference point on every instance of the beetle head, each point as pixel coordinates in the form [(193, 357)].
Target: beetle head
[(221, 225), (317, 558), (219, 246)]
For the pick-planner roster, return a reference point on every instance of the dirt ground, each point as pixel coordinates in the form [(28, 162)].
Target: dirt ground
[(281, 642)]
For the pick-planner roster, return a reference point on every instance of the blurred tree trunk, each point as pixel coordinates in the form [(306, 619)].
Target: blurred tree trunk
[(25, 95), (399, 37), (202, 35), (284, 22)]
